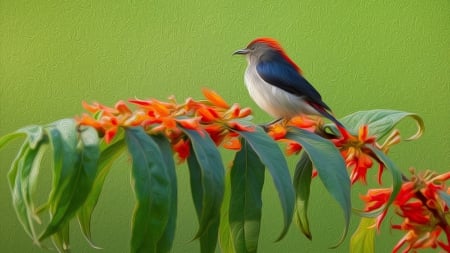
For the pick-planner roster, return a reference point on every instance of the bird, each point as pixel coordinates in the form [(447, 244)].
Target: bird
[(277, 85)]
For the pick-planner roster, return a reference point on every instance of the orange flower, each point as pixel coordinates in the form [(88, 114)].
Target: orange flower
[(422, 209), (213, 116), (293, 148), (232, 143), (277, 131), (305, 122), (182, 148), (214, 98), (357, 157)]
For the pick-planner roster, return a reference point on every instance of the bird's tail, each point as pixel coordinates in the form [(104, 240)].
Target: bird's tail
[(339, 125)]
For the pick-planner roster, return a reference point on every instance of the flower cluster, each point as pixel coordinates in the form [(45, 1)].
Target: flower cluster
[(422, 207), (279, 130), (354, 149), (357, 154), (213, 116)]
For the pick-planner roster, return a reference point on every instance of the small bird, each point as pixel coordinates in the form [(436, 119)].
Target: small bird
[(277, 85)]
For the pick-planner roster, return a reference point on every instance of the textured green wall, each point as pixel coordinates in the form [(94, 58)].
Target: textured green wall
[(359, 55)]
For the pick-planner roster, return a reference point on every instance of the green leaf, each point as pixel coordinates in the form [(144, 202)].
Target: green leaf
[(22, 179), (166, 241), (272, 157), (381, 122), (363, 238), (331, 168), (34, 135), (151, 185), (61, 239), (207, 187), (302, 185), (247, 180), (396, 181), (108, 154), (226, 243), (75, 159)]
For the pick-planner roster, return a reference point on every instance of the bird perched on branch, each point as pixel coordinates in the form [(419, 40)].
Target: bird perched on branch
[(277, 85)]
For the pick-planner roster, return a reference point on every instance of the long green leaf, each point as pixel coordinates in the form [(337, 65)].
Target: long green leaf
[(247, 180), (61, 239), (33, 133), (75, 167), (226, 243), (331, 168), (202, 197), (108, 154), (302, 185), (363, 238), (396, 181), (151, 185), (22, 178), (23, 175), (207, 187), (272, 157), (166, 241), (381, 122)]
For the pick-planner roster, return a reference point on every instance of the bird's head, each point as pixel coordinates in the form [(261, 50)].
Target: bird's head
[(263, 49)]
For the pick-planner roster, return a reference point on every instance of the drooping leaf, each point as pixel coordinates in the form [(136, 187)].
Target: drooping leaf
[(247, 180), (380, 122), (75, 159), (33, 133), (331, 168), (22, 178), (363, 238), (207, 187), (201, 185), (61, 239), (166, 241), (151, 185), (108, 154), (272, 157), (396, 181), (226, 243), (302, 185)]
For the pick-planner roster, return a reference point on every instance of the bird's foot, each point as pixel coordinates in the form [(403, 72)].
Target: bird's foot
[(266, 126)]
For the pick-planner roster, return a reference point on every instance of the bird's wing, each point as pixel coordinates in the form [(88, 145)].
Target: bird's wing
[(278, 72)]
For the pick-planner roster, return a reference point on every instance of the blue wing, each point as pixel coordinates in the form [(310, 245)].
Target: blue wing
[(276, 71)]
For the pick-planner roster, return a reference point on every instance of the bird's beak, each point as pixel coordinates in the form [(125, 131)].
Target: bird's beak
[(242, 51)]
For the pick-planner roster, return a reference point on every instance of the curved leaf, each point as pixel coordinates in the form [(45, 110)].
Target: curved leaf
[(33, 133), (381, 122), (166, 241), (75, 168), (272, 157), (207, 186), (108, 154), (247, 180), (396, 181), (226, 243), (152, 190), (22, 178), (331, 168), (363, 238), (61, 239), (302, 185)]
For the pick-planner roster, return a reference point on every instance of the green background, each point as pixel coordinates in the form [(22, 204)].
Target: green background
[(359, 54)]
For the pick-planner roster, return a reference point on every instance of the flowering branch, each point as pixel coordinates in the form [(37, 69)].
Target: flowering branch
[(228, 202)]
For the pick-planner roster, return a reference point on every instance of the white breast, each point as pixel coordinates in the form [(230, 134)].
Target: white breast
[(275, 101)]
